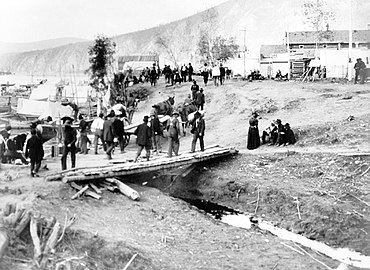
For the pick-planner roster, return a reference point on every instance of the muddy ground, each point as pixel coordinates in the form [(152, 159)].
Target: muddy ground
[(323, 171)]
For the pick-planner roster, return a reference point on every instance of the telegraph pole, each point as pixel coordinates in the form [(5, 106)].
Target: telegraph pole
[(244, 48), (350, 43)]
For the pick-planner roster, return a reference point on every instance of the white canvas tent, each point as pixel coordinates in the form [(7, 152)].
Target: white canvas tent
[(42, 109)]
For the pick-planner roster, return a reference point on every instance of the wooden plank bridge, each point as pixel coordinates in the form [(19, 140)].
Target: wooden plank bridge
[(130, 168)]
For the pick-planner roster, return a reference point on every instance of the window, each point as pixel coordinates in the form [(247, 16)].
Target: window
[(301, 46)]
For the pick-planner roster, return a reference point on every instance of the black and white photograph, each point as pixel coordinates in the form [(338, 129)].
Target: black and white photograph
[(184, 135)]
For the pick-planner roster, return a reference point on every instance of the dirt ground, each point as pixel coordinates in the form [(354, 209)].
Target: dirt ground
[(323, 170)]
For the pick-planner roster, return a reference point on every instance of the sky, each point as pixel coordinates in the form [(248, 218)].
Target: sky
[(34, 20)]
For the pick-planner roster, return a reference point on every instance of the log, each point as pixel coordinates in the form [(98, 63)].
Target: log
[(4, 241), (78, 194), (87, 192), (50, 244), (125, 189), (24, 222), (35, 239), (189, 170), (97, 190)]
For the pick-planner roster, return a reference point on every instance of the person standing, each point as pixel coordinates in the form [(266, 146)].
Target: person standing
[(143, 133), (108, 134), (70, 138), (253, 133), (173, 128), (216, 74), (131, 107), (194, 89), (359, 71), (97, 128), (198, 127), (222, 74), (205, 74), (83, 134), (34, 151), (157, 133), (153, 76), (190, 72), (200, 99), (119, 130)]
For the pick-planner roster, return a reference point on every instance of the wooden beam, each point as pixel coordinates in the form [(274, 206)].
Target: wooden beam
[(78, 194), (87, 192)]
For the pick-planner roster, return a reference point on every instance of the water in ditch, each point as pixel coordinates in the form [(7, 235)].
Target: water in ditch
[(224, 214)]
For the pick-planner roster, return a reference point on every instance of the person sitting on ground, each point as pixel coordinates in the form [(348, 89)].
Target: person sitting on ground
[(34, 151), (269, 133), (280, 133), (289, 135), (143, 138)]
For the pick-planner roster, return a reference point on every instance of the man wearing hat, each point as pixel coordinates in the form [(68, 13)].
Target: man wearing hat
[(69, 139), (173, 128), (143, 134), (194, 89), (157, 133), (200, 99), (280, 133), (198, 127), (359, 71)]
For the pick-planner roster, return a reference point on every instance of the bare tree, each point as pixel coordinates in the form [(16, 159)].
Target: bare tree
[(318, 16), (207, 33)]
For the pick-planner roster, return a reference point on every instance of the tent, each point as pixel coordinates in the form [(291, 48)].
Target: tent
[(43, 109)]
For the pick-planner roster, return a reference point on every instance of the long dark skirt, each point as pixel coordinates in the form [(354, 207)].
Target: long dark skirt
[(253, 138)]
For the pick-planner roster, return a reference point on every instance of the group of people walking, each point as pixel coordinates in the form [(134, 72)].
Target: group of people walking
[(275, 134), (149, 135), (179, 75)]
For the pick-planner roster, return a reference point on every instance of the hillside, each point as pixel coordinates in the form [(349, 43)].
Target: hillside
[(7, 47), (265, 23)]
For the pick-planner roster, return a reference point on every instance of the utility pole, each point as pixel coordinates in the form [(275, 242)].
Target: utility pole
[(244, 48), (349, 72)]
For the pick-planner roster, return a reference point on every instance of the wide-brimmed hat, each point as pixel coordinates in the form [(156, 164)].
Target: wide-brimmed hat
[(278, 121), (175, 113), (65, 118), (197, 114), (145, 119)]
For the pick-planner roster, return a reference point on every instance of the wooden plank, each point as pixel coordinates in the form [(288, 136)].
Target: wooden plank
[(78, 194), (95, 188), (87, 192)]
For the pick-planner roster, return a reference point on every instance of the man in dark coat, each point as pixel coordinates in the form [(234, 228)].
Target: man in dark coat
[(289, 135), (200, 99), (108, 134), (253, 133), (359, 71), (143, 133), (194, 89), (280, 133), (153, 76), (70, 138), (190, 72), (119, 130), (222, 74), (157, 132), (35, 152), (198, 128)]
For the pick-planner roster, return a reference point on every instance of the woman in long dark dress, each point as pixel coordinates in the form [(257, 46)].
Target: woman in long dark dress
[(253, 133)]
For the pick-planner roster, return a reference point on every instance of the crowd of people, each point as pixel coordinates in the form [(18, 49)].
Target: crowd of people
[(275, 134)]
